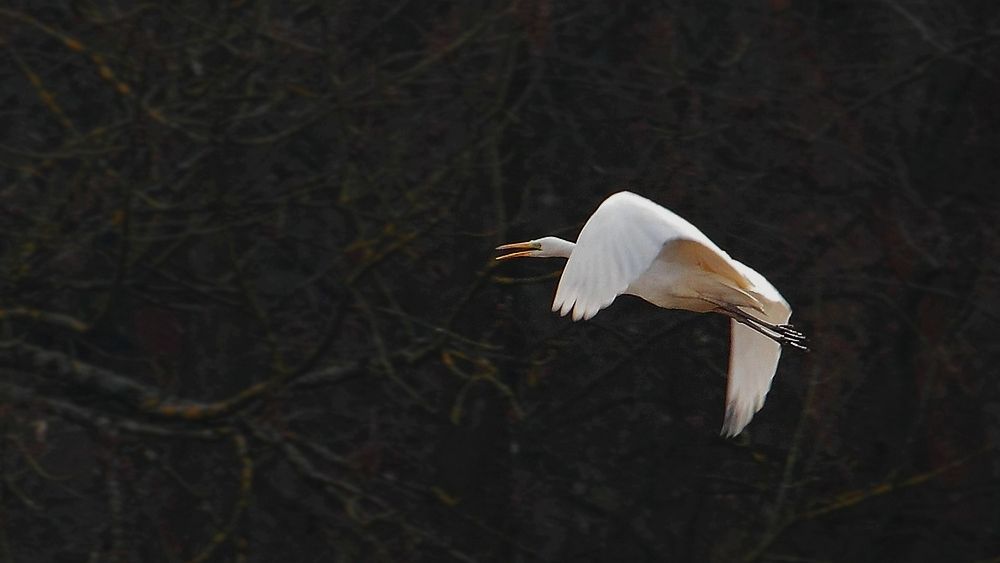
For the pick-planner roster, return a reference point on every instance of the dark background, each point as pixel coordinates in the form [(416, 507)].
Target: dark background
[(250, 310)]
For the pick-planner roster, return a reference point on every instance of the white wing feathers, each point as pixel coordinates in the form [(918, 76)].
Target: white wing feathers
[(616, 246), (753, 357)]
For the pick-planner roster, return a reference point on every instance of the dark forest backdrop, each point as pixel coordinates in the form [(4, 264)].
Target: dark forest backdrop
[(250, 313)]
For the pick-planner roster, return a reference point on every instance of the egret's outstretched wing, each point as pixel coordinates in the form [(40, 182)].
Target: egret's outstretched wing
[(753, 357), (616, 246)]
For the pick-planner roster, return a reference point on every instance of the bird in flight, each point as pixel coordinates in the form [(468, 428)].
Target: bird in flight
[(632, 245)]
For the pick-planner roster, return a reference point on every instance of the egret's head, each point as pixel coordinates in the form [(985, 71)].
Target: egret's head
[(545, 247)]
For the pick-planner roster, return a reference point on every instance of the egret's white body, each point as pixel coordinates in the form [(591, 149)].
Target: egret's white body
[(632, 245)]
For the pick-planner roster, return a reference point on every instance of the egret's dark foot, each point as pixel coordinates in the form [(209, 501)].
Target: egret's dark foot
[(790, 330), (788, 335), (782, 334)]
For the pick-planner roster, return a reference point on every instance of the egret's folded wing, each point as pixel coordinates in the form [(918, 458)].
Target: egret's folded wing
[(616, 246), (753, 357)]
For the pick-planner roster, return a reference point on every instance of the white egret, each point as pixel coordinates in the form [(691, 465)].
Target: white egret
[(632, 245)]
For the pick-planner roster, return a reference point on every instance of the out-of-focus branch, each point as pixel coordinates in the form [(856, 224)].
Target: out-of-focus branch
[(144, 398), (54, 319), (240, 506), (49, 363), (102, 421), (112, 481), (852, 498), (907, 77), (384, 354)]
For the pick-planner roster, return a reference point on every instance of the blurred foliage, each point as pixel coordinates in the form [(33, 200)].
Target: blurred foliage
[(249, 310)]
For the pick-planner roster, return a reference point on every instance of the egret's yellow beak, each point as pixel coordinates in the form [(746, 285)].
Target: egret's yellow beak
[(523, 248)]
